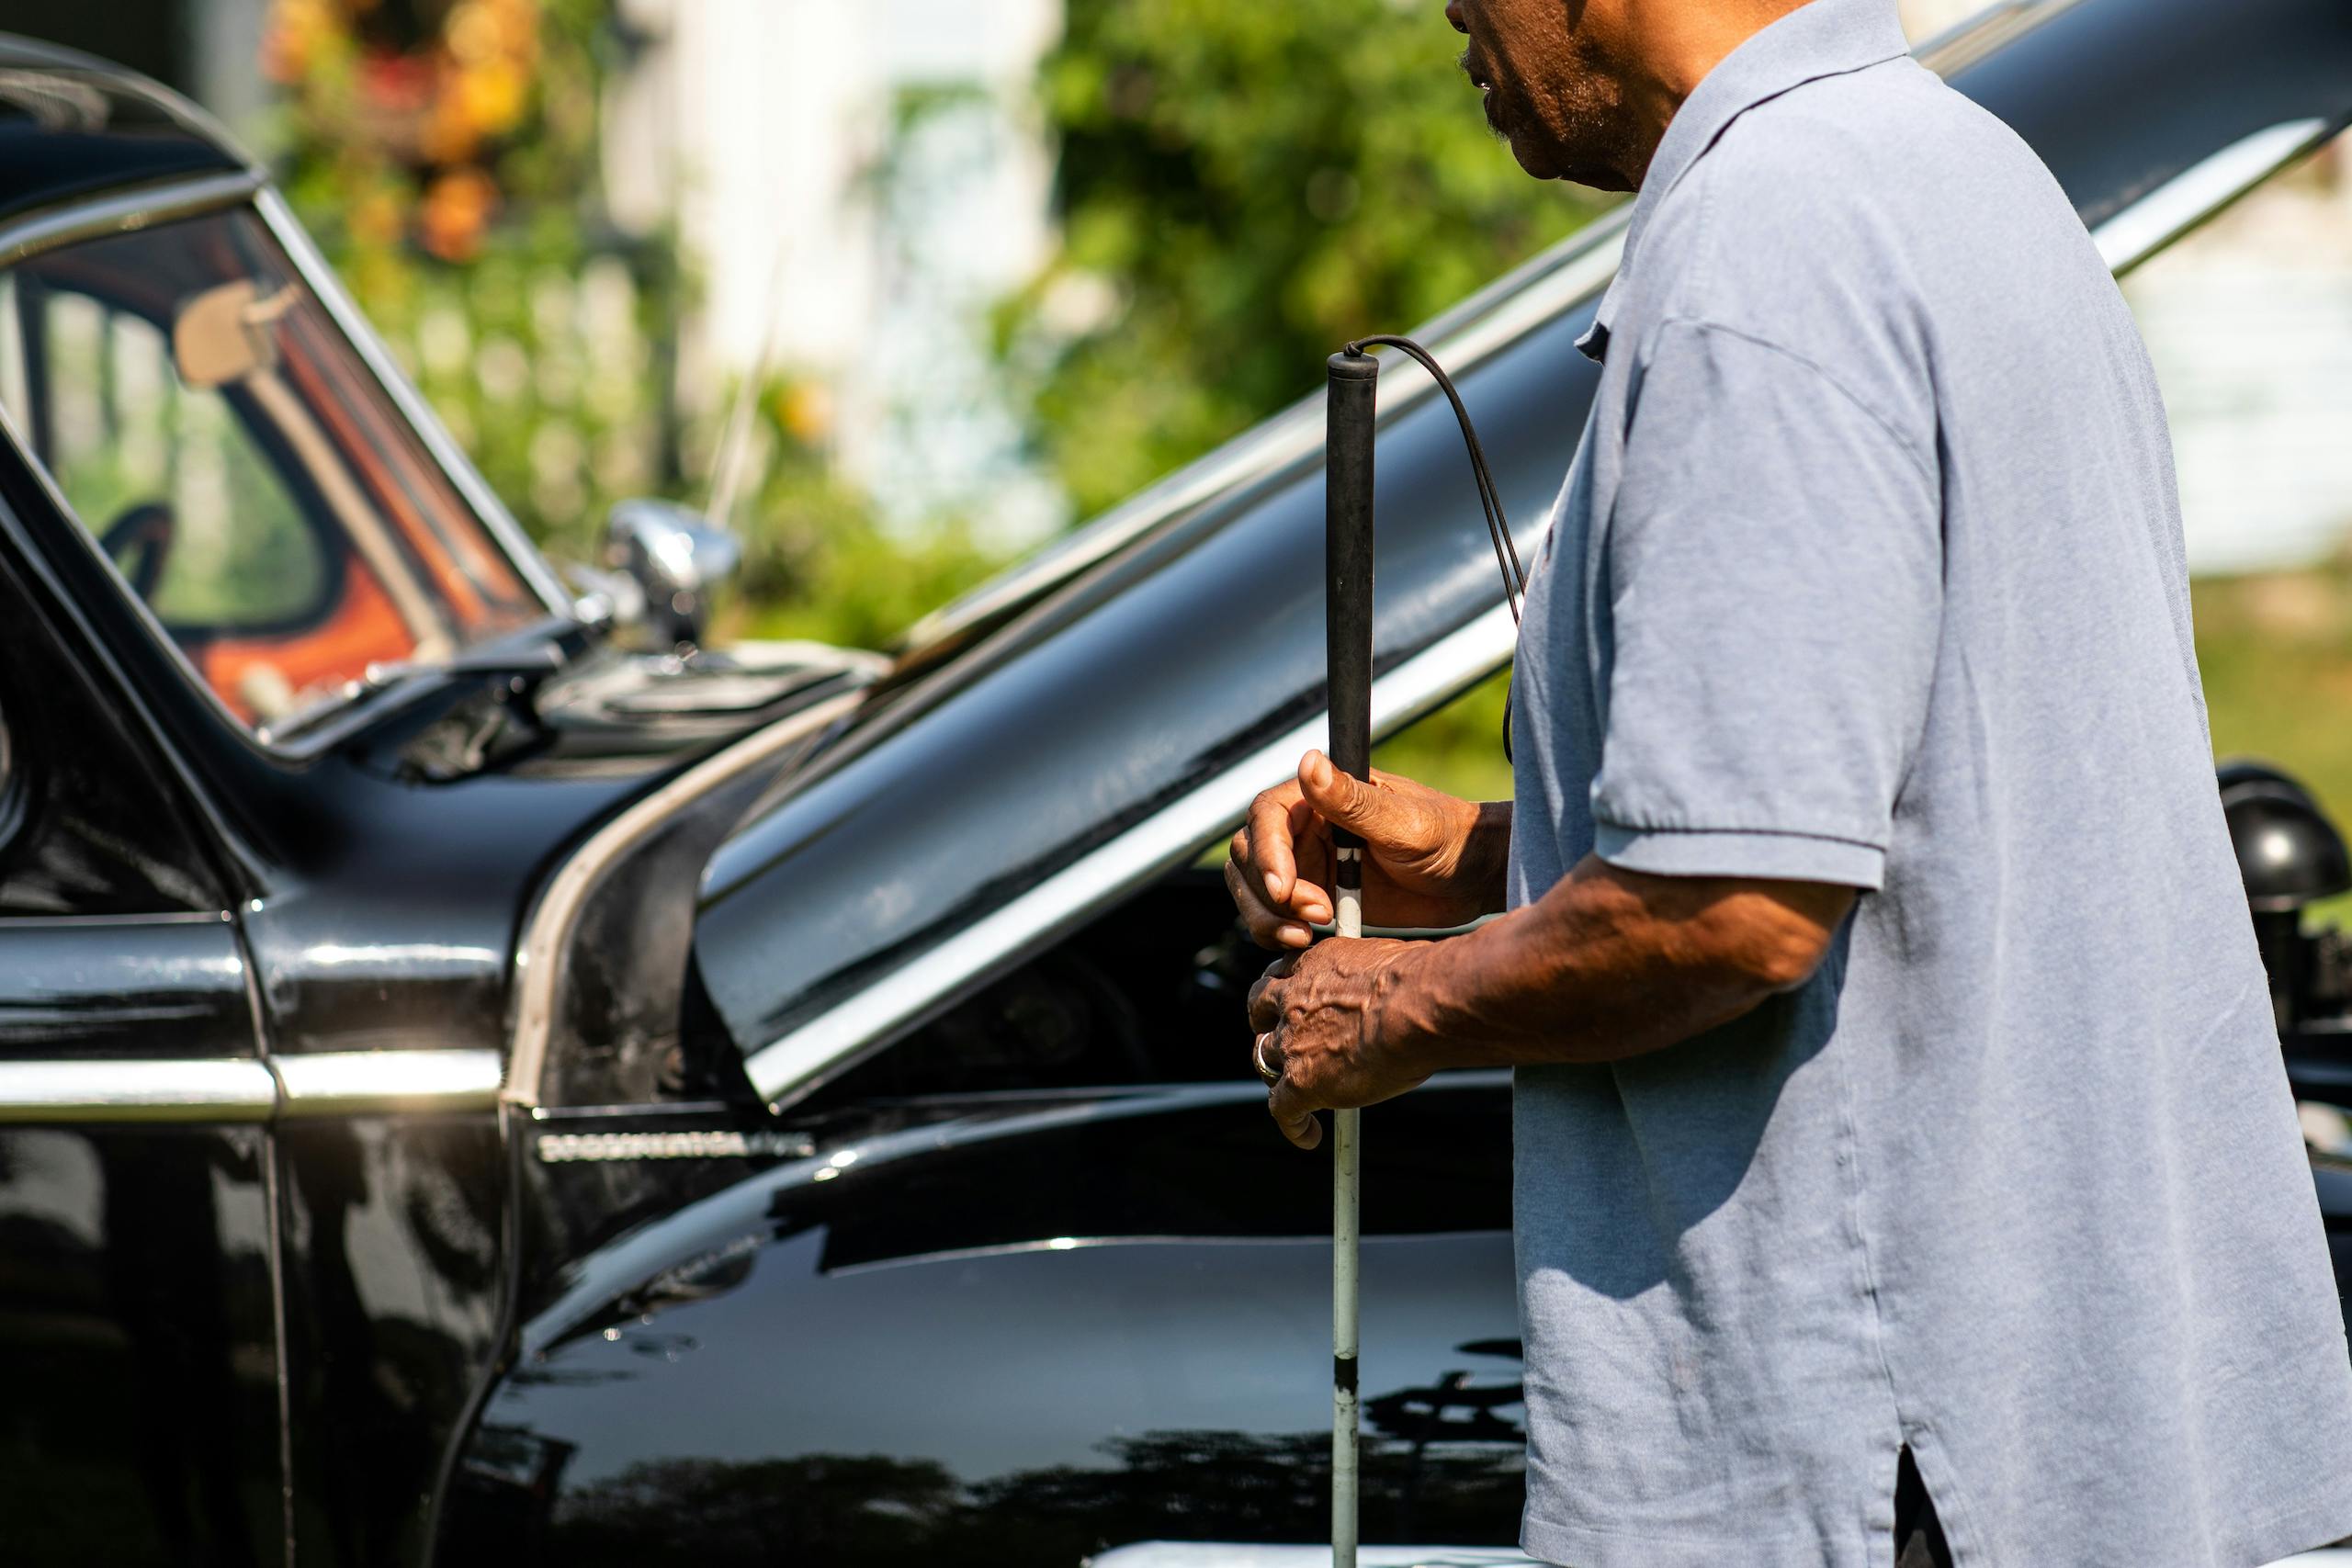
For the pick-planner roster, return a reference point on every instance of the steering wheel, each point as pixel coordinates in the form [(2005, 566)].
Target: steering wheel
[(145, 531)]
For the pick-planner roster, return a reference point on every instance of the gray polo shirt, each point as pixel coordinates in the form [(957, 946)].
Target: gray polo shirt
[(1869, 571)]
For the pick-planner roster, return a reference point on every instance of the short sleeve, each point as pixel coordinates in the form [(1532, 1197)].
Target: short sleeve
[(1772, 582)]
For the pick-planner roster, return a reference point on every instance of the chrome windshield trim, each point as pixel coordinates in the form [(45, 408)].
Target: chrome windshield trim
[(248, 1088), (2200, 192), (322, 281), (799, 1060), (122, 211), (201, 1089), (352, 1083), (538, 957)]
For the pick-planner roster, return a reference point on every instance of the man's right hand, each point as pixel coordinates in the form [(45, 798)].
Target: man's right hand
[(1431, 858)]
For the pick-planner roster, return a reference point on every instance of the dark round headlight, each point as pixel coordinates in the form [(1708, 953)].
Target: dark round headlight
[(2289, 853)]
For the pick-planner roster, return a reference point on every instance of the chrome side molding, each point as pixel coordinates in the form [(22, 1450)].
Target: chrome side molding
[(358, 1083), (2197, 193), (203, 1089), (248, 1088)]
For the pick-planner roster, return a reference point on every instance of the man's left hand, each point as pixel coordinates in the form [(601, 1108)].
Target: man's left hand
[(1335, 1022)]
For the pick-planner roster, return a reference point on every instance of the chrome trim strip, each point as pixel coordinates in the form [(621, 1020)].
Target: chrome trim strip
[(248, 1088), (204, 1089), (1429, 679), (537, 957), (321, 279), (2197, 194), (122, 211), (1970, 40), (353, 1083)]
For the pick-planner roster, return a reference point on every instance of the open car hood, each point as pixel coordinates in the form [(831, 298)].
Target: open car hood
[(1105, 713)]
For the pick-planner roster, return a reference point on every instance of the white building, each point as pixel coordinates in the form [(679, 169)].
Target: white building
[(760, 127)]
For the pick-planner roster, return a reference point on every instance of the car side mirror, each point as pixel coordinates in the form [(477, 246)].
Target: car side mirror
[(677, 557)]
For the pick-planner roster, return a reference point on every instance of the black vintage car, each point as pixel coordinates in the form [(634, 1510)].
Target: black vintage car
[(475, 1090)]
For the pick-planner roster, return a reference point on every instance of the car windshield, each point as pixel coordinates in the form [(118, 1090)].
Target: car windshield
[(250, 479)]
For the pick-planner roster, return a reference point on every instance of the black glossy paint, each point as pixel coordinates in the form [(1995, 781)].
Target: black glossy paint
[(140, 1425), (395, 1255), (1140, 678), (1018, 1332)]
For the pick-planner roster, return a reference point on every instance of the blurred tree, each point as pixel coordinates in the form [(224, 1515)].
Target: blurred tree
[(444, 154), (1244, 187)]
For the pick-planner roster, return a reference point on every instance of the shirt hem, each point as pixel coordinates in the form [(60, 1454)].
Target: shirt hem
[(2272, 1539), (1719, 852), (1587, 1546), (2280, 1536)]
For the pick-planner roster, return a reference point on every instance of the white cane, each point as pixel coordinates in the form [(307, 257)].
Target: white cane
[(1352, 382)]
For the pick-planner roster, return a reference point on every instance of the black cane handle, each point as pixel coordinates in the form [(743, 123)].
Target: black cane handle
[(1347, 565)]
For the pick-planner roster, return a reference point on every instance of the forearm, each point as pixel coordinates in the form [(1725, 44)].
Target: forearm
[(1607, 965)]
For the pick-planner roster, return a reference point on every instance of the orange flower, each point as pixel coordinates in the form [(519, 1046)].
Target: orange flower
[(292, 38), (488, 97), (456, 210)]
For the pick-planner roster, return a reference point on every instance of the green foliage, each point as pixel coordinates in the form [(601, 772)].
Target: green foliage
[(2274, 652), (1458, 749), (818, 564), (454, 185), (1248, 186)]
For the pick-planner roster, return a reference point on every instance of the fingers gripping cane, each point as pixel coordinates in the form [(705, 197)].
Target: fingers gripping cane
[(1347, 614)]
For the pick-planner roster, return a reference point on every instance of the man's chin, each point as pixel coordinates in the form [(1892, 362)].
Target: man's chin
[(1549, 163), (1594, 176)]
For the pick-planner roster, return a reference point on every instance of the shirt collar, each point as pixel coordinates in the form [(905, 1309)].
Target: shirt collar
[(1827, 38)]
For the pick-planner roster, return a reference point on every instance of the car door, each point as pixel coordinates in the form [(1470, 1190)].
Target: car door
[(138, 1338)]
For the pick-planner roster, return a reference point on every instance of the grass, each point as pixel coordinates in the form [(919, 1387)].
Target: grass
[(2275, 650)]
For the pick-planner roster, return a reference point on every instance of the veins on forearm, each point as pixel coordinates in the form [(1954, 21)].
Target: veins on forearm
[(1594, 971)]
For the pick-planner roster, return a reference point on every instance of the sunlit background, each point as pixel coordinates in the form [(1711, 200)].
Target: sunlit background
[(990, 266)]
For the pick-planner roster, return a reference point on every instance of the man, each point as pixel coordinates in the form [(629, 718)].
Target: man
[(1903, 1159)]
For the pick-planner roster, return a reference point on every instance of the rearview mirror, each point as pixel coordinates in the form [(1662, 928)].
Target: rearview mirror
[(222, 335)]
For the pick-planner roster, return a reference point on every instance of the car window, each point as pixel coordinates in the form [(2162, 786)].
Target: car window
[(165, 473), (211, 427)]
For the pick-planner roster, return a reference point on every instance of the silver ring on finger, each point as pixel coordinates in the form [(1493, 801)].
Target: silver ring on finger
[(1258, 1054)]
